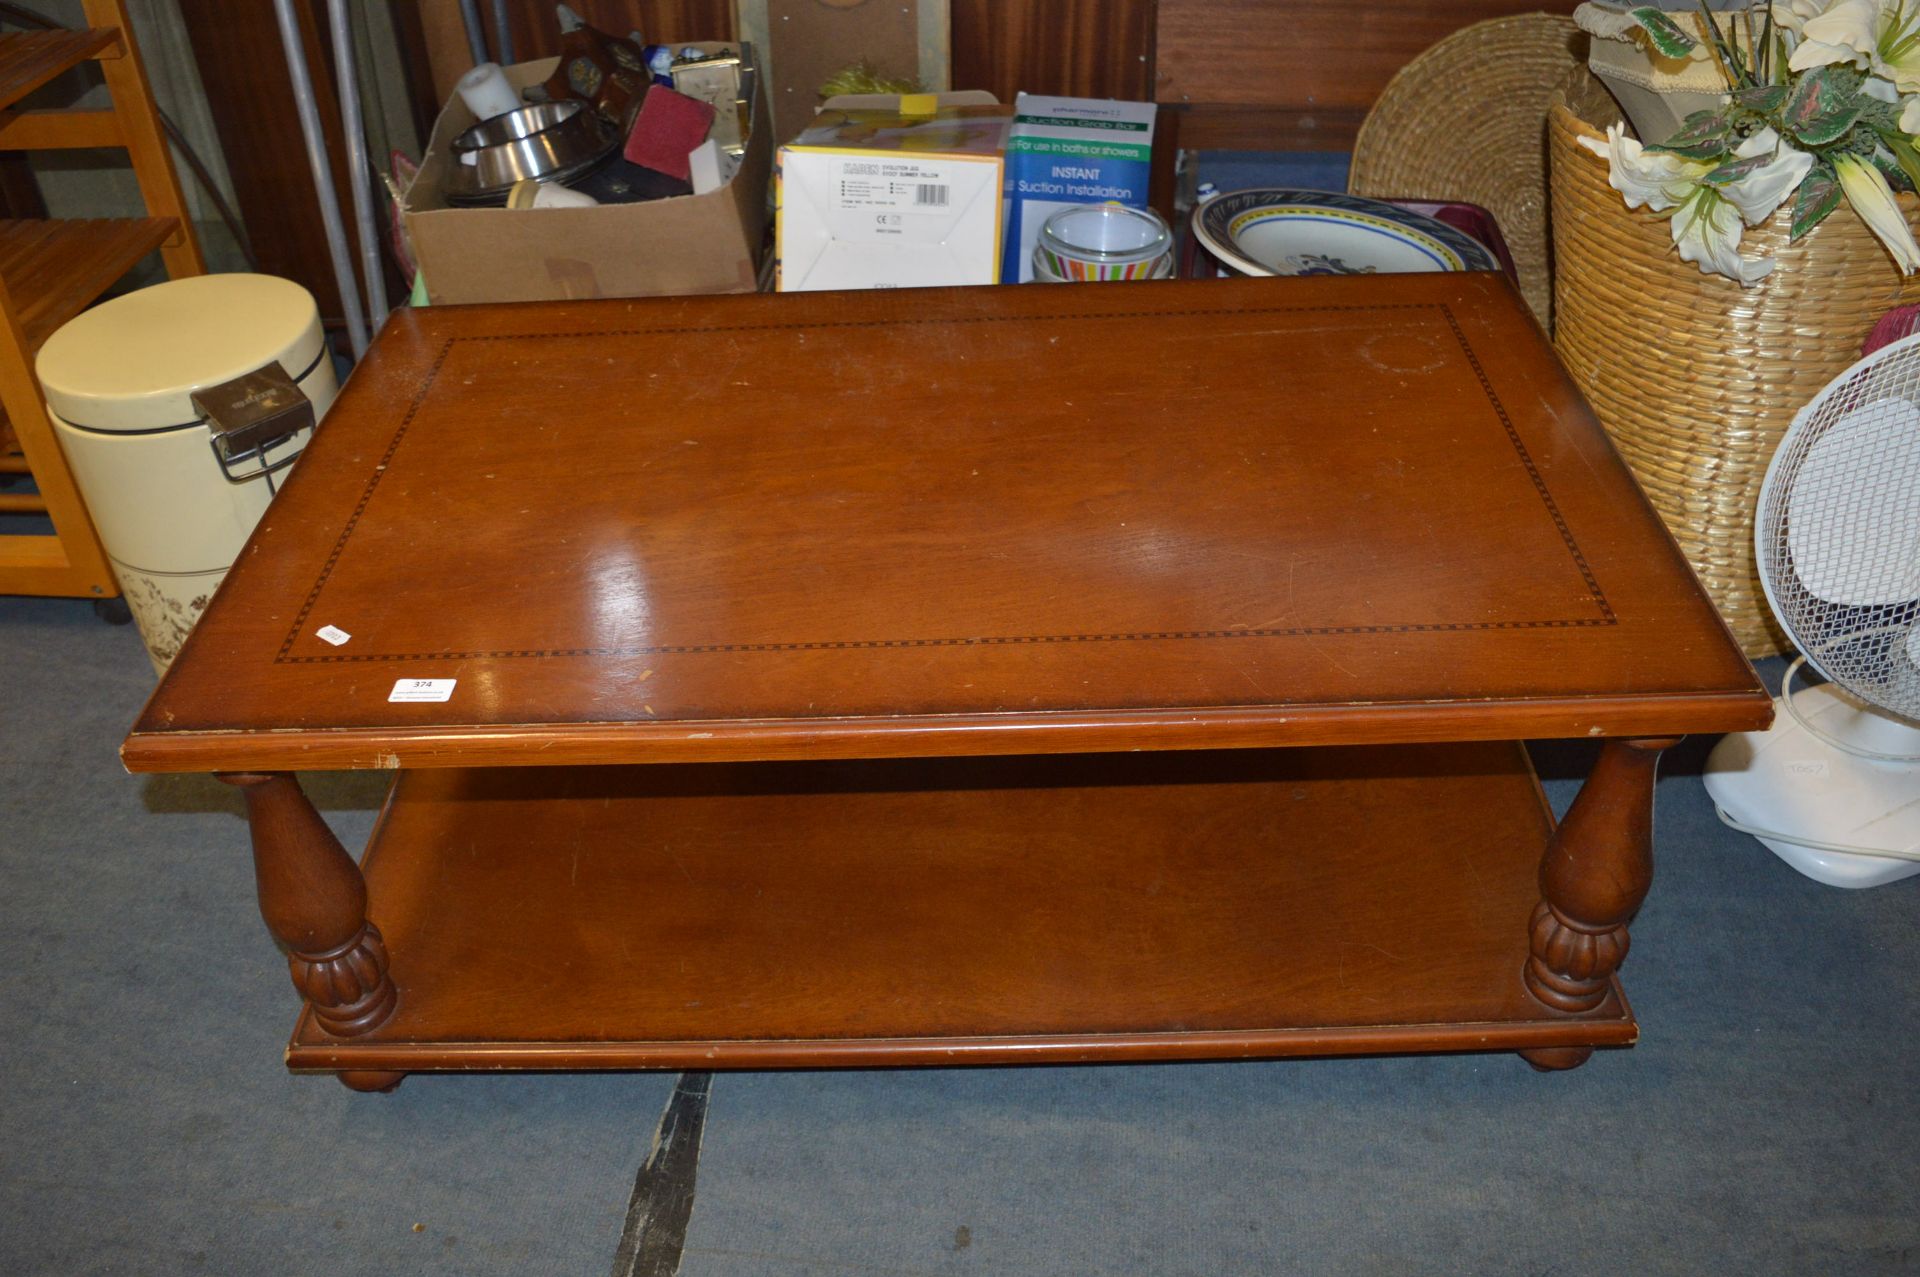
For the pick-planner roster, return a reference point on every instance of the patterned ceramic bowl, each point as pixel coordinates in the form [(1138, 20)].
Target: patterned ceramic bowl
[(1288, 232)]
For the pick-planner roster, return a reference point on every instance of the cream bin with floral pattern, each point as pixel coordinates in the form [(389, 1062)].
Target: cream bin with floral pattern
[(172, 497)]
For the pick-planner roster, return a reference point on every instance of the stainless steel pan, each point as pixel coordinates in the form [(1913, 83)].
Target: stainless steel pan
[(548, 142)]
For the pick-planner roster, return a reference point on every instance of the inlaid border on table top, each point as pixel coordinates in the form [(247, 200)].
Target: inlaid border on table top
[(1606, 616)]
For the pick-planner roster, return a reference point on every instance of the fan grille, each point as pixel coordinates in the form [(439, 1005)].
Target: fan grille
[(1839, 530)]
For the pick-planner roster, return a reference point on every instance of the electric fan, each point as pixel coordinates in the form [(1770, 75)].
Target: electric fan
[(1833, 787)]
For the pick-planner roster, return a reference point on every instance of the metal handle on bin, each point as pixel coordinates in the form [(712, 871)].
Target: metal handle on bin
[(249, 416), (267, 469)]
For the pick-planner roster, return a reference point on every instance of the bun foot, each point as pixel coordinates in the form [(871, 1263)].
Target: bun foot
[(1553, 1059), (371, 1080)]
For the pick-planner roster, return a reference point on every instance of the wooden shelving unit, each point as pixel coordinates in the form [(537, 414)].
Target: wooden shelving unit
[(52, 270)]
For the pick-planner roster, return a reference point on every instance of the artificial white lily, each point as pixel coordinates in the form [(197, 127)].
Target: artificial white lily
[(1841, 32), (1790, 18), (1706, 230), (1658, 179), (1766, 188), (1706, 224), (1867, 191), (1910, 116), (1875, 87), (1878, 36), (1793, 14)]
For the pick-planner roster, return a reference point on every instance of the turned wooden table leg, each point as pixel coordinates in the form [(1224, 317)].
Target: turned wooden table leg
[(1596, 871), (315, 904)]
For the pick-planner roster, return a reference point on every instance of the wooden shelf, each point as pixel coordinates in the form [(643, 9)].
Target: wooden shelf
[(52, 270), (29, 59), (1186, 905), (56, 269)]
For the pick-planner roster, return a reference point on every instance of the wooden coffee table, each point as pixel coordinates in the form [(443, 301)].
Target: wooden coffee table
[(985, 675)]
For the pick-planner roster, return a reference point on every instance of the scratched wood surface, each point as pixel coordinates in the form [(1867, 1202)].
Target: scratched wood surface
[(1256, 512)]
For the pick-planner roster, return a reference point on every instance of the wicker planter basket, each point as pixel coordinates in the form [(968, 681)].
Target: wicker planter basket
[(1696, 378), (1428, 139)]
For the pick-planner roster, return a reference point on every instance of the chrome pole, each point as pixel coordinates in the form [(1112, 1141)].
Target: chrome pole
[(347, 72), (476, 31), (304, 102), (502, 33)]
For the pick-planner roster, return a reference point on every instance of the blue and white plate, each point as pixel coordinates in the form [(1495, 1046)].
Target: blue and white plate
[(1271, 231)]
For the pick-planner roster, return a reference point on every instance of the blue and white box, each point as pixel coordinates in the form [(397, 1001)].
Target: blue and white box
[(1068, 151)]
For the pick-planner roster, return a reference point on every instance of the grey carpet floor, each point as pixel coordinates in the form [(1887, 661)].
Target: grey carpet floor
[(1767, 1123)]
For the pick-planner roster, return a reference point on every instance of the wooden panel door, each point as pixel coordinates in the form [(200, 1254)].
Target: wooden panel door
[(1079, 48), (1301, 75)]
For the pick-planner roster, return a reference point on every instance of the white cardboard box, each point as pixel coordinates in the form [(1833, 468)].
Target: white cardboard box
[(905, 196)]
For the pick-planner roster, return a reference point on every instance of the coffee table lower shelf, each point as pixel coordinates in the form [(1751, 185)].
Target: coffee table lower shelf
[(960, 911)]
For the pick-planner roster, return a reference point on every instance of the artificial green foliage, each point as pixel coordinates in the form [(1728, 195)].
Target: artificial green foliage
[(1819, 195), (1664, 32), (1821, 100)]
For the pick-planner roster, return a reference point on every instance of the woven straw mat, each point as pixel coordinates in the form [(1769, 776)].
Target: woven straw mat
[(1696, 378), (1466, 121)]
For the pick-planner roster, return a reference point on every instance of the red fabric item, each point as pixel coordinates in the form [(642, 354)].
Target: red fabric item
[(668, 126), (1901, 321), (1468, 219)]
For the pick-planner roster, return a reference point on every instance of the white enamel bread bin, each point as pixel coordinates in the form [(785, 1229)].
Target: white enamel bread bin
[(119, 379)]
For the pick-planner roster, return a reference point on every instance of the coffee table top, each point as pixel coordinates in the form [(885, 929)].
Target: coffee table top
[(989, 520)]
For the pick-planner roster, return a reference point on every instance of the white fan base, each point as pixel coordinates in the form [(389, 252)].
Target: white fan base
[(1788, 780)]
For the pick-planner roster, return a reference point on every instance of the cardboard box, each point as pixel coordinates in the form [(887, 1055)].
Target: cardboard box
[(1067, 151), (683, 245), (905, 194)]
